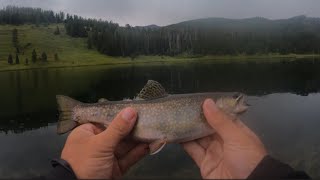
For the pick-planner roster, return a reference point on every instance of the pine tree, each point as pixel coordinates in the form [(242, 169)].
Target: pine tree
[(44, 57), (15, 38), (17, 59), (57, 31), (34, 56), (56, 57), (89, 42), (10, 59)]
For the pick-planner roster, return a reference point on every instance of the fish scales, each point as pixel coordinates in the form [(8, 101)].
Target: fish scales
[(169, 118)]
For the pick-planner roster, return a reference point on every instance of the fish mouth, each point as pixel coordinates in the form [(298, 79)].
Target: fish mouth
[(241, 104), (237, 95)]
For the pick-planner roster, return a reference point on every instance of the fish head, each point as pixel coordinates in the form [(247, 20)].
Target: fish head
[(233, 105)]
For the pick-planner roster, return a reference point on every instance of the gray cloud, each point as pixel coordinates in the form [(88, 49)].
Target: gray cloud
[(164, 12)]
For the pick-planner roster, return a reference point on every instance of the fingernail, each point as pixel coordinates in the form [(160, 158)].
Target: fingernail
[(210, 104), (128, 114)]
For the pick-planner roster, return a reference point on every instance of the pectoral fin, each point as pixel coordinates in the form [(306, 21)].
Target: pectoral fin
[(157, 146)]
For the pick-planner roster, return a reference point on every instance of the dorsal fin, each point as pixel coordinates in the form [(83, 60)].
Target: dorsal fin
[(152, 90)]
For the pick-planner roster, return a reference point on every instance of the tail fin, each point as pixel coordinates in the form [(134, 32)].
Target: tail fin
[(65, 106)]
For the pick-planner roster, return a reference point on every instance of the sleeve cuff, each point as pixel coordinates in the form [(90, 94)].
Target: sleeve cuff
[(271, 168), (61, 170)]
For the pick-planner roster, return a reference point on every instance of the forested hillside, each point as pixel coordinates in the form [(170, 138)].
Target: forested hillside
[(22, 15), (212, 36), (215, 36)]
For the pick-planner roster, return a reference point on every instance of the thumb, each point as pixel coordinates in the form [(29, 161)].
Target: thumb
[(120, 127), (219, 121)]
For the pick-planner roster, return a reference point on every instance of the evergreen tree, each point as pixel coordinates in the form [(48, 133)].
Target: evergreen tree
[(56, 57), (15, 39), (10, 59), (17, 59), (199, 37), (20, 15), (89, 42), (44, 57), (57, 31), (34, 56)]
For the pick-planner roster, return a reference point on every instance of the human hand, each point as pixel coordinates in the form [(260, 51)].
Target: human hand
[(94, 153), (232, 152)]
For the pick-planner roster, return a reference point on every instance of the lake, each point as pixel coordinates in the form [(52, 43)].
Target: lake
[(284, 111)]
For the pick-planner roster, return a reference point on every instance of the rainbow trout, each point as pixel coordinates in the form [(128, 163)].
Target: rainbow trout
[(162, 118)]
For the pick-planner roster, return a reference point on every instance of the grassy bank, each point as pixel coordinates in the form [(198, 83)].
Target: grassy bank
[(144, 60), (73, 52)]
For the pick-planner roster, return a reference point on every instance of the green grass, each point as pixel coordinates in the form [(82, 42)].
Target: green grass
[(5, 43), (73, 51)]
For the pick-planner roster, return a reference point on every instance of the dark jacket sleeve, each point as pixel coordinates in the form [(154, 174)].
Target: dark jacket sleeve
[(267, 168), (272, 168), (61, 170)]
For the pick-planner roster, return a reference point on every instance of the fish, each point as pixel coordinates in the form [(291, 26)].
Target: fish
[(162, 118)]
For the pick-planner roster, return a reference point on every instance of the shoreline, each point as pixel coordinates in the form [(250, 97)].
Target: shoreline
[(141, 60)]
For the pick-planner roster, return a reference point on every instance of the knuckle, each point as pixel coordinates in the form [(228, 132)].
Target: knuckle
[(220, 118), (119, 128)]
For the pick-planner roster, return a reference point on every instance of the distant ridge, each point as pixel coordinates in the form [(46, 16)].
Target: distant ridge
[(151, 26), (251, 19), (254, 24)]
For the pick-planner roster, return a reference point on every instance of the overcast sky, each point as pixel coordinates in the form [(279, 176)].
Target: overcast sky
[(164, 12)]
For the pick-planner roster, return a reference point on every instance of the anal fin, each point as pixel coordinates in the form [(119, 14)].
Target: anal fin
[(157, 146)]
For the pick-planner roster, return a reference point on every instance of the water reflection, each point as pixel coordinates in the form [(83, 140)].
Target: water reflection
[(28, 155), (284, 110), (287, 124), (35, 90), (34, 78), (27, 122)]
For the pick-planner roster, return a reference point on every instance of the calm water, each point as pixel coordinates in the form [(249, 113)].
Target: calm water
[(285, 110)]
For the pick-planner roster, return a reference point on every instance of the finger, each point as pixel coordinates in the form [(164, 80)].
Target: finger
[(119, 128), (133, 156), (220, 121), (205, 141), (213, 157), (246, 130), (124, 147), (116, 174), (99, 128), (85, 130), (195, 151), (216, 137)]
